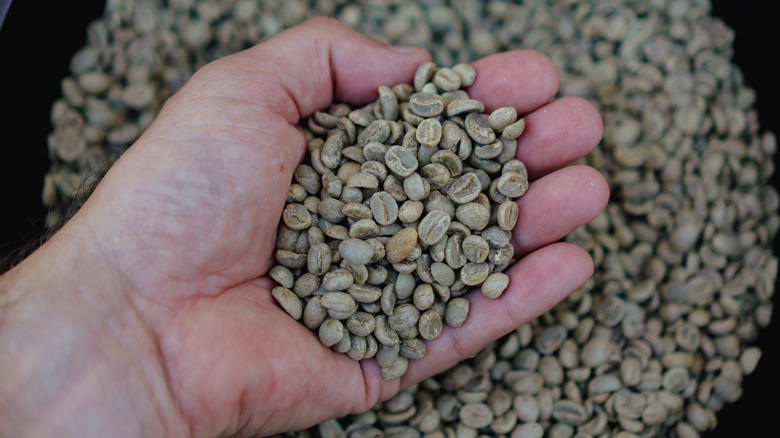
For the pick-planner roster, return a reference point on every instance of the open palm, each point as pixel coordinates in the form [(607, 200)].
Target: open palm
[(188, 214)]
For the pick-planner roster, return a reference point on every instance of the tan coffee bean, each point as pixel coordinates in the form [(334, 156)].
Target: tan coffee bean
[(404, 316), (507, 215), (449, 160), (457, 311), (437, 175), (500, 118), (465, 189), (476, 415), (363, 180), (313, 313), (388, 103), (433, 227), (308, 178), (364, 293), (416, 187), (331, 151), (383, 333), (478, 129), (401, 160), (429, 132), (395, 188), (331, 332), (296, 217), (361, 323), (514, 130), (426, 104), (423, 75), (288, 300), (356, 251), (474, 215), (412, 348), (319, 259), (423, 296), (475, 248), (464, 106), (410, 211), (377, 131), (466, 72), (512, 185), (387, 355), (400, 245), (489, 151), (430, 324), (364, 229), (396, 370), (340, 302), (443, 274), (337, 280), (290, 259), (473, 274), (296, 193), (447, 79), (495, 284), (282, 275)]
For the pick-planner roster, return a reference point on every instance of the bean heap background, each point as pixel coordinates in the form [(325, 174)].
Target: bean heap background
[(677, 116)]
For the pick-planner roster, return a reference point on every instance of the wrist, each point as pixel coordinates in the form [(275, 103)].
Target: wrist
[(76, 357)]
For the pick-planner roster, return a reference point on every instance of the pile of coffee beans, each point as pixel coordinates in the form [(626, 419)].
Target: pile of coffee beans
[(662, 335), (399, 209)]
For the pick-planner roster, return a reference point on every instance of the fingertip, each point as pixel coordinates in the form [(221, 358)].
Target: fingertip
[(524, 79)]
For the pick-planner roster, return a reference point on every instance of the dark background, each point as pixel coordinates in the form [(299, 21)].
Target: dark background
[(38, 39)]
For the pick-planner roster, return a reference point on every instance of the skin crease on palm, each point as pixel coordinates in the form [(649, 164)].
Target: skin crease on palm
[(155, 316)]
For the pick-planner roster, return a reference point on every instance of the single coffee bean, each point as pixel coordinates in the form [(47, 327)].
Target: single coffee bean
[(478, 129), (512, 185), (495, 284), (288, 300), (457, 311), (331, 332), (430, 324), (473, 274), (296, 217), (400, 245), (507, 214), (433, 227), (401, 160), (356, 251), (426, 104), (465, 189)]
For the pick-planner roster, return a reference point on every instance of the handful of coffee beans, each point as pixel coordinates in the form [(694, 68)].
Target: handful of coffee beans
[(398, 209)]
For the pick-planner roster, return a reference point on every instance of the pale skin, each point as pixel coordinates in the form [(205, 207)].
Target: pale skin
[(149, 313)]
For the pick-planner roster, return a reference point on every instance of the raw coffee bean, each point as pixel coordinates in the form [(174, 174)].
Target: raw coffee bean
[(288, 300), (396, 370), (429, 132), (465, 189), (430, 324), (384, 208), (296, 217), (331, 332), (473, 274), (457, 311), (401, 160), (355, 251), (361, 323), (401, 245), (478, 129), (507, 215), (495, 284), (426, 104), (433, 227)]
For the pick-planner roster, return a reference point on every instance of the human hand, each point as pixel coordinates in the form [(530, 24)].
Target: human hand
[(159, 283)]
